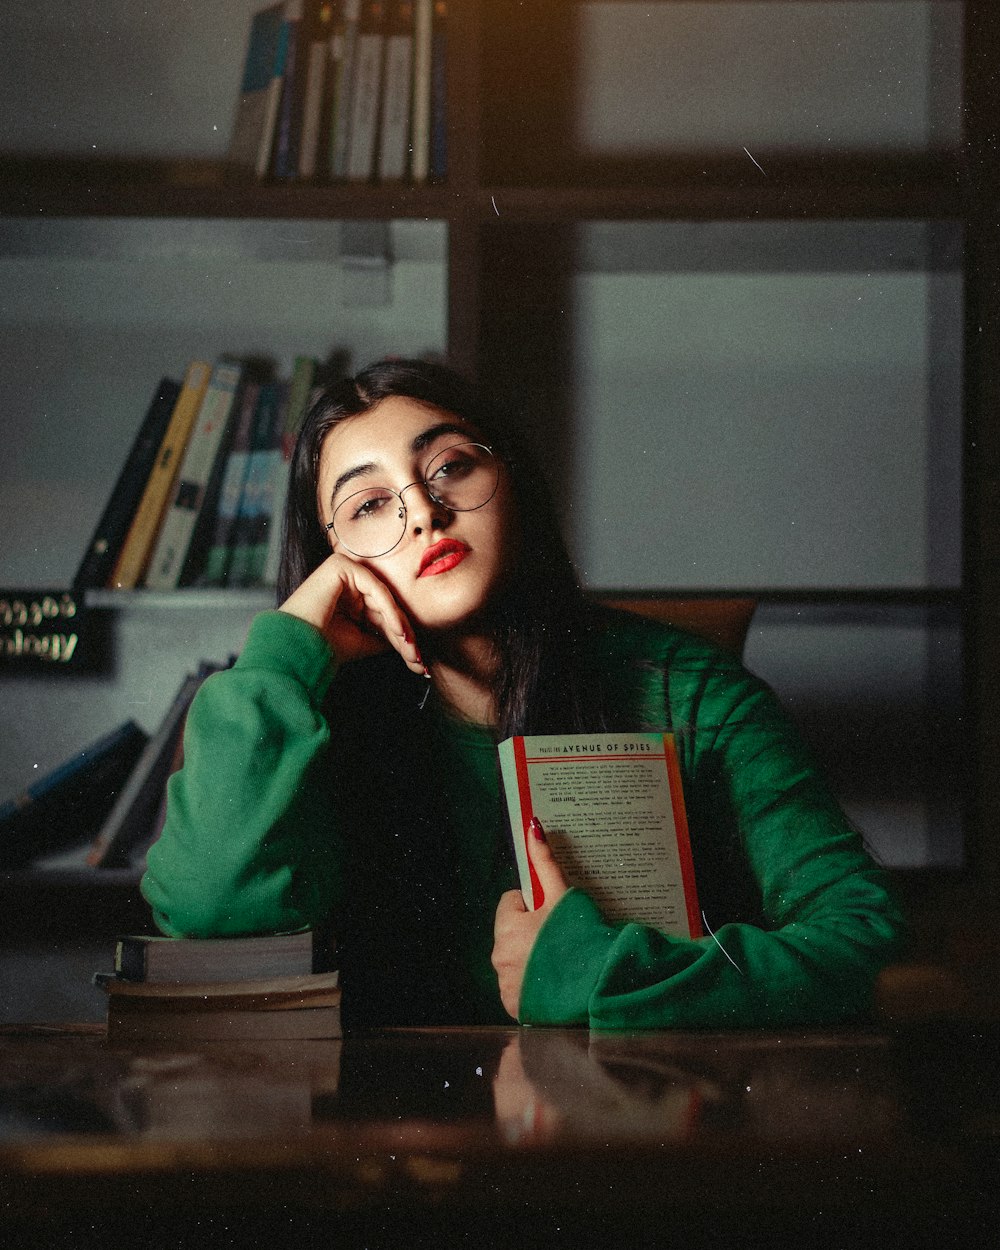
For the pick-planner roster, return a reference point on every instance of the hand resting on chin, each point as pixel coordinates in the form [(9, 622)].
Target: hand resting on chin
[(355, 611)]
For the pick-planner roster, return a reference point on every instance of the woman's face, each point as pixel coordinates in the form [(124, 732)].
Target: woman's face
[(448, 565)]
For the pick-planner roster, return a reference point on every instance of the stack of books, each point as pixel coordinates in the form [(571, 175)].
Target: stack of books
[(344, 90), (206, 989), (200, 495)]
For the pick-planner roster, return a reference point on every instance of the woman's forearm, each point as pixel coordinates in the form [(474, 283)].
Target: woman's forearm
[(247, 845)]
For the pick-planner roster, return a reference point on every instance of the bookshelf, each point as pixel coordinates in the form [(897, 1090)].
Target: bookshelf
[(133, 602), (527, 181)]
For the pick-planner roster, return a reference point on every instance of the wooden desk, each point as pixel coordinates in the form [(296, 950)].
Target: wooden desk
[(500, 1136)]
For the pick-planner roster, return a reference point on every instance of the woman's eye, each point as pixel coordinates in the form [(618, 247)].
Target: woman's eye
[(370, 506), (454, 466)]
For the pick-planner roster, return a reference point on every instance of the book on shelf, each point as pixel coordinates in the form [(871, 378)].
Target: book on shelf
[(176, 764), (130, 567), (345, 49), (260, 91), (266, 518), (439, 93), (109, 535), (179, 545), (137, 855), (394, 137), (420, 123), (272, 1007), (314, 140), (69, 803), (284, 156), (160, 960), (130, 822), (366, 91), (231, 491), (249, 540), (612, 809), (300, 394)]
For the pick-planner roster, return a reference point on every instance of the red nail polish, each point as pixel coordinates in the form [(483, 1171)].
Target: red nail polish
[(536, 830)]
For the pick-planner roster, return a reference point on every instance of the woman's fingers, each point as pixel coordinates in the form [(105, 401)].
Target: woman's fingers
[(382, 613), (515, 928), (550, 875), (356, 612)]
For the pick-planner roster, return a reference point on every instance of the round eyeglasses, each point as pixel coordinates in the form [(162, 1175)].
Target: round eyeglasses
[(371, 522)]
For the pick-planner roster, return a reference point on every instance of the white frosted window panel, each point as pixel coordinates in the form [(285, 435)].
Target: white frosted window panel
[(716, 78), (762, 429)]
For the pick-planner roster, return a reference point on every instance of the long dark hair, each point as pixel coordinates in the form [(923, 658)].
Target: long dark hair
[(543, 682)]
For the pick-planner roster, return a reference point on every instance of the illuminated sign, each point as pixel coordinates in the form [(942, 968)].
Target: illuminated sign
[(41, 627)]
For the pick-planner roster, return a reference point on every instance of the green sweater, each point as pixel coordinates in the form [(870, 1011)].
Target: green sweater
[(311, 792)]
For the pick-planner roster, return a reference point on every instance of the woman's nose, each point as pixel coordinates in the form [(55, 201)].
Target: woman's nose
[(423, 511)]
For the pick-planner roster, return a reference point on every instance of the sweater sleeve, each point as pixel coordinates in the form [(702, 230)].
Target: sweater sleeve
[(247, 845), (830, 924)]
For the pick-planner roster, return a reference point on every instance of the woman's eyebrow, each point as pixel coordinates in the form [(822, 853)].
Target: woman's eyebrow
[(428, 436), (359, 470)]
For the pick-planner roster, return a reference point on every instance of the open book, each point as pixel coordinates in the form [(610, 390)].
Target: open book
[(613, 813)]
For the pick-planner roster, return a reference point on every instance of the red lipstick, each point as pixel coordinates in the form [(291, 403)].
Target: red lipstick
[(444, 555)]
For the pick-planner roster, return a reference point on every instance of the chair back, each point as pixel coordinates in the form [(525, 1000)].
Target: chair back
[(724, 621)]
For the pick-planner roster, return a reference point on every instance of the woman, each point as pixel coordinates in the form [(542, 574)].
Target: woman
[(345, 769)]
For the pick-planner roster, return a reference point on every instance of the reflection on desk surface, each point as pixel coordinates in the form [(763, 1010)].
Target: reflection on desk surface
[(384, 1132), (513, 1087)]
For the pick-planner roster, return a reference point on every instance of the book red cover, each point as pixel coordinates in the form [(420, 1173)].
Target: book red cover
[(613, 810)]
